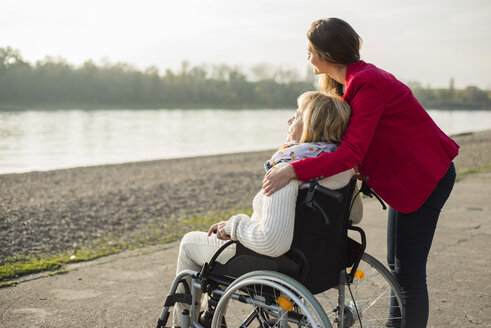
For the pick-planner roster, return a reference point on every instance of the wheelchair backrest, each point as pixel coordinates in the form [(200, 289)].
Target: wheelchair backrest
[(319, 247), (323, 239)]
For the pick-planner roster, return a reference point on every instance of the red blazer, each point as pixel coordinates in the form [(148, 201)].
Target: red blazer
[(392, 139)]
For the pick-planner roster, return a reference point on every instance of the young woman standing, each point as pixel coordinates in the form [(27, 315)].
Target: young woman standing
[(406, 158)]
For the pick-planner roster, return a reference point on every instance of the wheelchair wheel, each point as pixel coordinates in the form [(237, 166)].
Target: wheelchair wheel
[(374, 293), (268, 299)]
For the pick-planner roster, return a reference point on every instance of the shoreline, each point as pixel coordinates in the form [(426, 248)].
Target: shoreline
[(147, 161), (43, 212), (271, 151)]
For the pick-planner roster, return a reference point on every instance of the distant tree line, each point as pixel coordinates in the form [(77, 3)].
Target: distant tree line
[(54, 82), (469, 98)]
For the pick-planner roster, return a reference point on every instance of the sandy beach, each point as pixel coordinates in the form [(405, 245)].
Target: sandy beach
[(43, 212)]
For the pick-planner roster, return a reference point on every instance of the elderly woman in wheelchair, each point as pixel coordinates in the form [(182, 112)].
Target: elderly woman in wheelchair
[(298, 235)]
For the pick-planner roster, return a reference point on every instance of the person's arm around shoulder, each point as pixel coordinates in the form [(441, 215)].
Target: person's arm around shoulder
[(367, 102), (277, 178)]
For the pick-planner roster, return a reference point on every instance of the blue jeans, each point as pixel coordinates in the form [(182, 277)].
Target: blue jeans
[(409, 238)]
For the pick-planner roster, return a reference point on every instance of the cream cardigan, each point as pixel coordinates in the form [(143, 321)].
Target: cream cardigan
[(269, 230)]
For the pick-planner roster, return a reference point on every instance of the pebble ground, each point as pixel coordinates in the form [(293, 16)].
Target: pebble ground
[(43, 212)]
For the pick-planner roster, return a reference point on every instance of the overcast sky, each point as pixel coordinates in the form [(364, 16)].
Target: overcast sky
[(427, 41)]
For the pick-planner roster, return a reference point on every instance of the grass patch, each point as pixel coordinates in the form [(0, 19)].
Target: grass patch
[(162, 232), (17, 266), (479, 169), (8, 284), (58, 272)]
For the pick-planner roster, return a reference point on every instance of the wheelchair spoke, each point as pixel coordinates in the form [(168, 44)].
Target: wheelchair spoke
[(271, 303), (257, 313), (374, 300), (361, 282), (253, 315), (371, 299)]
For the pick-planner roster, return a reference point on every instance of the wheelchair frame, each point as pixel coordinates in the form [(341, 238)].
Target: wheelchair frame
[(223, 289)]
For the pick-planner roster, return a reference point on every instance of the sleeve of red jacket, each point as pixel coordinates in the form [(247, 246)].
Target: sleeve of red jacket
[(367, 104)]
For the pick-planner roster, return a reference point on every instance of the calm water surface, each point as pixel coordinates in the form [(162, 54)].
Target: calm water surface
[(45, 140)]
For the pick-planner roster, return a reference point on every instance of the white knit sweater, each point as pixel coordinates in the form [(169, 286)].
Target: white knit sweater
[(269, 230)]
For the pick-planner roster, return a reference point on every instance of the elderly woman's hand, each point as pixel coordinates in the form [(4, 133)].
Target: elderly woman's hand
[(277, 178), (219, 228)]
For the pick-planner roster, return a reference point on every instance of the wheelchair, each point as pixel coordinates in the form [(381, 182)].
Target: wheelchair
[(325, 280)]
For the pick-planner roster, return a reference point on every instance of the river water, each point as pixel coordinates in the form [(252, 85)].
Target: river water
[(52, 139)]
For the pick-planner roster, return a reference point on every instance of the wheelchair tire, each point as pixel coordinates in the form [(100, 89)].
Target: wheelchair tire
[(268, 299), (370, 299)]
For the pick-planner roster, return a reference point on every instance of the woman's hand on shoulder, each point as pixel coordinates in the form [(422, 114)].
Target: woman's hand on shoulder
[(219, 229), (277, 178)]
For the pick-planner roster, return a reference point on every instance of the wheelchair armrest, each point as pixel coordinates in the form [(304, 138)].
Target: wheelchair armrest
[(211, 264)]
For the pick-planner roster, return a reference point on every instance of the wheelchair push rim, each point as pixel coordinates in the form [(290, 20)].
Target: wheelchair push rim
[(268, 299)]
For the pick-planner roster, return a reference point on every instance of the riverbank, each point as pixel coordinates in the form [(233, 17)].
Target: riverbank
[(111, 206)]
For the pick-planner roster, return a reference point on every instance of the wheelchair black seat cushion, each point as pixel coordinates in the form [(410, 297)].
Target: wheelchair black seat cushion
[(245, 260)]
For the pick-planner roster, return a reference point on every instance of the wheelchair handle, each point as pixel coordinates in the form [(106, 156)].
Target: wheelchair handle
[(368, 191), (323, 190)]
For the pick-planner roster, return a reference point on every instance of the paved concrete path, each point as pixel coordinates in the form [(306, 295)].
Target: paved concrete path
[(128, 289)]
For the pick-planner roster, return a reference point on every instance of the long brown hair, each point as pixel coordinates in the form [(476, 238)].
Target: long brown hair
[(335, 41)]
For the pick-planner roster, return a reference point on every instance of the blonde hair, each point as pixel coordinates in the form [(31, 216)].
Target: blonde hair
[(325, 117)]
